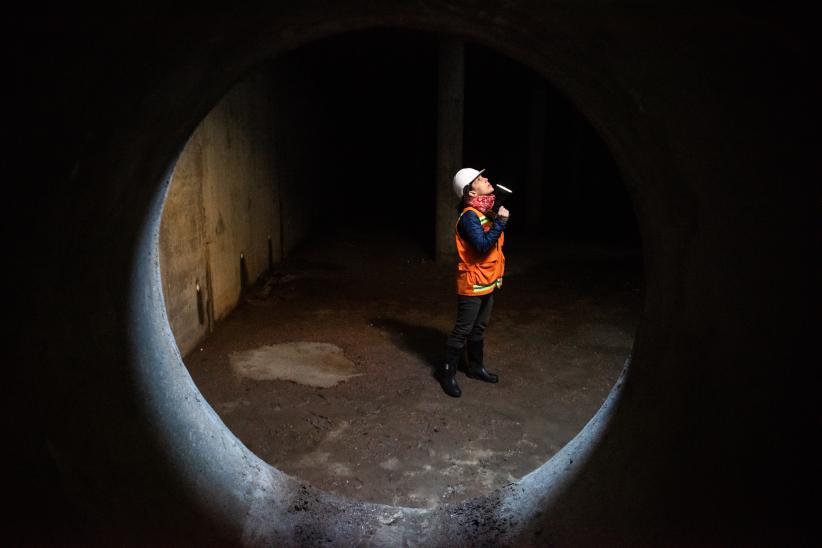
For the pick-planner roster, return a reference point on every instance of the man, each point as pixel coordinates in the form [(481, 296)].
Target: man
[(481, 264)]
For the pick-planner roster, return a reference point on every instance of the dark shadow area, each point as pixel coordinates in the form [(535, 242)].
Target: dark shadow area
[(362, 142), (363, 106), (426, 343), (531, 139), (243, 274)]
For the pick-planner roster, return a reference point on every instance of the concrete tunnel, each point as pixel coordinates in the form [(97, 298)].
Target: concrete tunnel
[(298, 243), (710, 121)]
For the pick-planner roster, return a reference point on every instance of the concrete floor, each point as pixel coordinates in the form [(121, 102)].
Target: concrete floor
[(562, 328)]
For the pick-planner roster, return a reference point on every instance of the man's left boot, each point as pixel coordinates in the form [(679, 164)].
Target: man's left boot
[(476, 369)]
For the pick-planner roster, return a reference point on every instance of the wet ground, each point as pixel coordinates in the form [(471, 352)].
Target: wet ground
[(375, 312)]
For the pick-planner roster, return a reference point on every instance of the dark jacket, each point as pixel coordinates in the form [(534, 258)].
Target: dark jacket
[(471, 231)]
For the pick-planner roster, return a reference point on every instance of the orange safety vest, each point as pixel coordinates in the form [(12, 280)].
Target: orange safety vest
[(479, 274)]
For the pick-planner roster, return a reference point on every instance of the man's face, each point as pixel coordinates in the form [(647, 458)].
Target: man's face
[(481, 186)]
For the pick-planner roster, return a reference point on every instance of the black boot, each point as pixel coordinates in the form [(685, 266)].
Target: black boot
[(447, 372), (476, 369)]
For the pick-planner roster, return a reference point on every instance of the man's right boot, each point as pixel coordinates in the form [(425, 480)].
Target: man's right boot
[(476, 366), (448, 372)]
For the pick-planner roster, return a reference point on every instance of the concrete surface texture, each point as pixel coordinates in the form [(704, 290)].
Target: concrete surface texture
[(560, 334), (713, 120), (221, 219)]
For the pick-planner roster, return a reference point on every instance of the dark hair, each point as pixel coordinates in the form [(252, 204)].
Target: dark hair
[(465, 190)]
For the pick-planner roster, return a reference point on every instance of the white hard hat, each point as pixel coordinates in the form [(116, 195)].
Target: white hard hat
[(464, 177)]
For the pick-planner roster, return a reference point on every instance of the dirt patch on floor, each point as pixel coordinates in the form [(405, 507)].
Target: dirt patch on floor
[(308, 363), (560, 333)]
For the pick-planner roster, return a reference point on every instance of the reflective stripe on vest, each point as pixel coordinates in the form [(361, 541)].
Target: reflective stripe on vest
[(487, 288)]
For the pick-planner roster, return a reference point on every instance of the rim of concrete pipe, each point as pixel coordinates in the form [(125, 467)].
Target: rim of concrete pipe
[(241, 497)]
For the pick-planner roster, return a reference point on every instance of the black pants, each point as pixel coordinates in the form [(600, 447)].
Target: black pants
[(473, 314)]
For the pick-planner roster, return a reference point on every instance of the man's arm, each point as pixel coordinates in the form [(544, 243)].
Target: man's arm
[(471, 231)]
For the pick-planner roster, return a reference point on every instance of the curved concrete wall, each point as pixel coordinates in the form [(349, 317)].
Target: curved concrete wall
[(704, 441)]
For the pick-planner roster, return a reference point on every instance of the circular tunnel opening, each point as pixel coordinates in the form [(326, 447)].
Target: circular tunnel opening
[(301, 276)]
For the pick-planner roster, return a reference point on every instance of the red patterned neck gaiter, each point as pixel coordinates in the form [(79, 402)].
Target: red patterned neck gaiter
[(483, 203)]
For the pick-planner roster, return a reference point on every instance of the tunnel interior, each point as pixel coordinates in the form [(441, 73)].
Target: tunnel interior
[(367, 137), (341, 136), (707, 441)]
